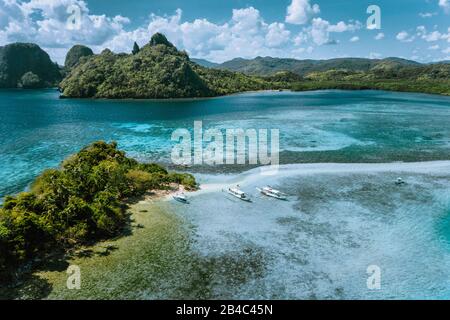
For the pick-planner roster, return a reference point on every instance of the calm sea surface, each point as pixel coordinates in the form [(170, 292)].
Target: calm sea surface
[(341, 152)]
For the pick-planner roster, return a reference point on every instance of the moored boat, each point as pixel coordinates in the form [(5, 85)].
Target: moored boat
[(181, 197), (238, 193), (271, 192)]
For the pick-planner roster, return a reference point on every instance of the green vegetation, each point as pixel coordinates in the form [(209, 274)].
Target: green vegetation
[(158, 70), (27, 65), (75, 54), (81, 202), (392, 74), (284, 77), (205, 63), (265, 66), (136, 48), (433, 79), (30, 81)]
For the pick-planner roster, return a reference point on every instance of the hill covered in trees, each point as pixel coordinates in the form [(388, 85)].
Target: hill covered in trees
[(160, 70), (157, 70), (82, 201), (267, 66), (432, 78), (75, 53), (26, 65), (394, 74)]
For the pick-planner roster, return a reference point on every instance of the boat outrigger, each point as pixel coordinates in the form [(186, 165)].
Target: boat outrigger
[(181, 197), (270, 192), (238, 193)]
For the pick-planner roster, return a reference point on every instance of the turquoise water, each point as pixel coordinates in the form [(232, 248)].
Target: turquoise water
[(340, 219), (38, 130), (341, 216)]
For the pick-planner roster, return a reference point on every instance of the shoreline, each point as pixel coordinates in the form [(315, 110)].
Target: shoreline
[(160, 195), (146, 214), (249, 92), (225, 95), (218, 181), (140, 210)]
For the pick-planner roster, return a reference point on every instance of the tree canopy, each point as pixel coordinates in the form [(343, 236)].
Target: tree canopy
[(30, 81), (136, 48), (75, 54), (18, 59), (158, 70), (82, 201)]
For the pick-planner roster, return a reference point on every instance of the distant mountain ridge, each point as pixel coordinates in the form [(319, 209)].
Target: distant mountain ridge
[(393, 74), (267, 66), (160, 70), (27, 65), (205, 63)]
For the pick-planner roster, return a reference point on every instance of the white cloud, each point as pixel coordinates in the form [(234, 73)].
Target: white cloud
[(447, 35), (300, 11), (375, 55), (45, 22), (246, 35), (432, 36), (277, 35), (301, 38), (403, 36), (446, 51), (344, 27), (445, 4), (434, 47), (379, 36), (247, 20), (320, 30), (427, 14)]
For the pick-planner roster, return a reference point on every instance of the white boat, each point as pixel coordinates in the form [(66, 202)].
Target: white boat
[(400, 182), (238, 193), (271, 192), (181, 197)]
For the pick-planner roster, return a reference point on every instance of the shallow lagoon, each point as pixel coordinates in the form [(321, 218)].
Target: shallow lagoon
[(340, 218), (38, 130)]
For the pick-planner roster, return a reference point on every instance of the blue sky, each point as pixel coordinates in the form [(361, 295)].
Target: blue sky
[(220, 30)]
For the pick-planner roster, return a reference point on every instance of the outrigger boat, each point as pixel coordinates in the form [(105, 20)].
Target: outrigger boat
[(238, 194), (181, 197), (270, 192)]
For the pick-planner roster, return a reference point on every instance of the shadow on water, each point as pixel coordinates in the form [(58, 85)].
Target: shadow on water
[(27, 284), (31, 287), (444, 230), (221, 276)]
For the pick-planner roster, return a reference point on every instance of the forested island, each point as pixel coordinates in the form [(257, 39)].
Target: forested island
[(159, 70), (83, 201)]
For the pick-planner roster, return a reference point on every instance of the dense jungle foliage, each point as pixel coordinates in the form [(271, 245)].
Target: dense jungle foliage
[(81, 202)]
